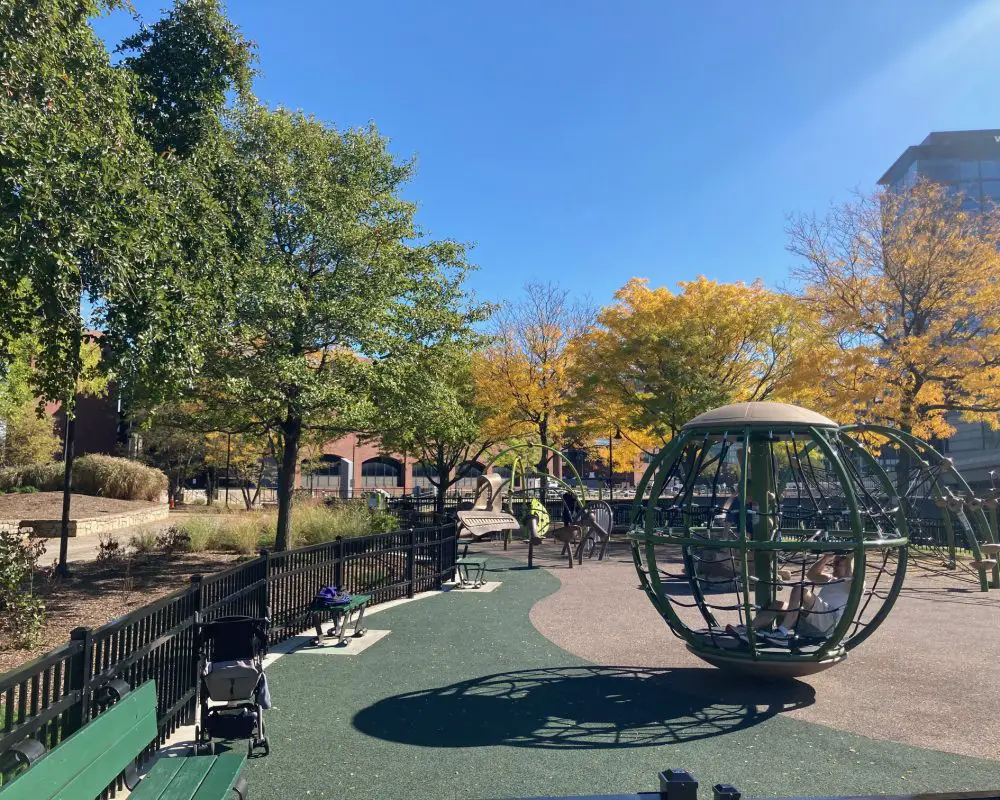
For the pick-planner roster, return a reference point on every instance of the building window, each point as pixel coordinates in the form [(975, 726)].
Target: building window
[(381, 472), (991, 191), (468, 481), (940, 170), (968, 170), (422, 474), (324, 473), (990, 169)]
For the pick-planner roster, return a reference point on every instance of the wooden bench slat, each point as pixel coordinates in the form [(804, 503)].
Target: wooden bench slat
[(221, 777), (87, 761), (187, 780), (158, 779)]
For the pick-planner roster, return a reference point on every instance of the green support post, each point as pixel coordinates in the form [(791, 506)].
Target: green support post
[(758, 492)]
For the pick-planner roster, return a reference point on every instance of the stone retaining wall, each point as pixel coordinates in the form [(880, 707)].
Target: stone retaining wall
[(50, 528)]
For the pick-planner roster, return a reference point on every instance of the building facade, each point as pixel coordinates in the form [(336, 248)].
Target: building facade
[(966, 162)]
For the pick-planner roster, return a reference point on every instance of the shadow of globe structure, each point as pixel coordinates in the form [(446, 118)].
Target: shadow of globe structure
[(578, 708)]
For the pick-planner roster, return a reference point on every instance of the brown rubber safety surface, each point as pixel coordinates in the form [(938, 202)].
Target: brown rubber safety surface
[(928, 677)]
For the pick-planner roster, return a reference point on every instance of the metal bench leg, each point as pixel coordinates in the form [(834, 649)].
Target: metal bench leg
[(358, 630)]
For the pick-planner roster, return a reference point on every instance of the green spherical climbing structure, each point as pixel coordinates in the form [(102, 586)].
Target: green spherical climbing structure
[(768, 540)]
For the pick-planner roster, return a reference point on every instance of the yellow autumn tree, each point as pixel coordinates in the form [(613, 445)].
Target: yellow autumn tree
[(524, 374), (657, 358), (908, 287)]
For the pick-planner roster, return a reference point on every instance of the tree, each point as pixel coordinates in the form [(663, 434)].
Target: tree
[(244, 458), (28, 435), (90, 213), (906, 286), (526, 372), (655, 359), (170, 445), (337, 287), (186, 63), (448, 428)]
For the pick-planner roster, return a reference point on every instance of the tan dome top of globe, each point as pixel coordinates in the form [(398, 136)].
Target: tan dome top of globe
[(741, 414)]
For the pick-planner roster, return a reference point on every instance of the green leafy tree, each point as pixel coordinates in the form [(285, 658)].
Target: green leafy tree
[(186, 64), (337, 288), (447, 427), (28, 435), (90, 214)]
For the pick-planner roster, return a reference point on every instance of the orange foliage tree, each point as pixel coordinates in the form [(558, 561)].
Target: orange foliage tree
[(906, 285)]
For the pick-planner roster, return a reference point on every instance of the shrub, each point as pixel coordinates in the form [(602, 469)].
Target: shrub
[(173, 540), (314, 525), (109, 549), (143, 543), (248, 531), (229, 533), (21, 613), (105, 476), (120, 478), (43, 477)]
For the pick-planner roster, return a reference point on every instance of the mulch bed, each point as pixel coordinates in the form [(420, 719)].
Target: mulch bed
[(48, 505), (98, 592)]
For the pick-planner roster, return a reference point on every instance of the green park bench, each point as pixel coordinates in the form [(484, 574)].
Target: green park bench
[(341, 617), (81, 766)]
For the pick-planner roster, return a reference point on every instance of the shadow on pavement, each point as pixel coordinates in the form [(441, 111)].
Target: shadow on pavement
[(581, 708)]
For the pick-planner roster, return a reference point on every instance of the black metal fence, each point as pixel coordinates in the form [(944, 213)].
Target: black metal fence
[(52, 696)]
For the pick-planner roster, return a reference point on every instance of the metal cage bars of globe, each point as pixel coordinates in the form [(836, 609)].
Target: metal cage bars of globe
[(767, 489)]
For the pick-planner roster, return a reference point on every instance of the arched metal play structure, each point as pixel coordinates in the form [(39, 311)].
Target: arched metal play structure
[(774, 541), (516, 501), (944, 516)]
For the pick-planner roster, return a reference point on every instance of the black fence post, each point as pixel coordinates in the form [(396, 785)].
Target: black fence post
[(79, 680), (411, 560), (264, 554), (439, 555), (338, 563)]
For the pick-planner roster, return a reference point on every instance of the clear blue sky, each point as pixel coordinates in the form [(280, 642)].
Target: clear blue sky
[(587, 142)]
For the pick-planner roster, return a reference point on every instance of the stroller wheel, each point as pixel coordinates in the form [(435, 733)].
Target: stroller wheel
[(267, 746)]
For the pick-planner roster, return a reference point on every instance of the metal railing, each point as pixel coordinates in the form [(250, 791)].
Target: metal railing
[(51, 697)]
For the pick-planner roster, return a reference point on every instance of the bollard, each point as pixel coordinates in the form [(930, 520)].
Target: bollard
[(677, 784)]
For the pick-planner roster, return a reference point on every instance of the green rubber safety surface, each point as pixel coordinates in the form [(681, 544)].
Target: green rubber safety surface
[(465, 699)]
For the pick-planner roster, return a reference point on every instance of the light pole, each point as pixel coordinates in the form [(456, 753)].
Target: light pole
[(228, 447), (611, 462)]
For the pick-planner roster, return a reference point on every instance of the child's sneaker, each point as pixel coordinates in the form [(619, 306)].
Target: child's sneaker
[(739, 631), (780, 637)]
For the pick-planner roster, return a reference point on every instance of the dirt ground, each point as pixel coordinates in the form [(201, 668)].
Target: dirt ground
[(928, 677), (48, 505), (99, 591)]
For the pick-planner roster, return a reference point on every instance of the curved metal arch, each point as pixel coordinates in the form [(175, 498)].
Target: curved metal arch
[(521, 462), (923, 452)]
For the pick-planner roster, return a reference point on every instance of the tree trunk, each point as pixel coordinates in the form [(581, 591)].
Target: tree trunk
[(63, 568), (443, 474), (291, 436), (543, 461)]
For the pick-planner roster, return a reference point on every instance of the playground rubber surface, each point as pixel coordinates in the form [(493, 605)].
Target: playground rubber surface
[(465, 698)]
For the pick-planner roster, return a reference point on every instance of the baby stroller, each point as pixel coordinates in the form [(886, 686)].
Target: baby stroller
[(233, 687)]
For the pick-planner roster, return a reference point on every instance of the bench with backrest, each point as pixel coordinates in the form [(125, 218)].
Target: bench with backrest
[(85, 763)]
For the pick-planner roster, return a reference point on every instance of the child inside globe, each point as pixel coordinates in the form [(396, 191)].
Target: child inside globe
[(813, 607)]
